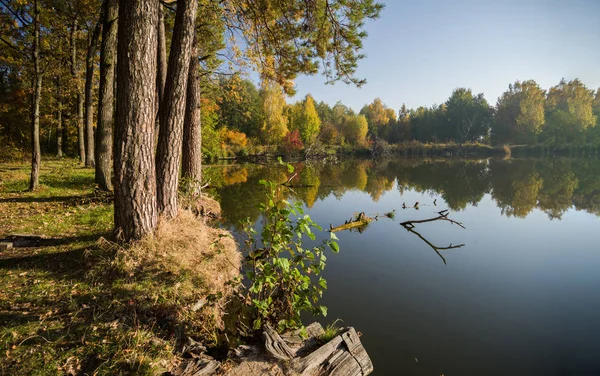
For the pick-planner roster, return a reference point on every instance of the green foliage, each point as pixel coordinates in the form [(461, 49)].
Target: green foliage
[(569, 109), (285, 274), (330, 332), (287, 37), (469, 117)]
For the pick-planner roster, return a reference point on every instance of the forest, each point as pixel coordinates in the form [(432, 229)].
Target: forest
[(75, 44), (108, 110)]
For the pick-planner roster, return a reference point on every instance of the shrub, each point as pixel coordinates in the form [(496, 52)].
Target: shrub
[(285, 276)]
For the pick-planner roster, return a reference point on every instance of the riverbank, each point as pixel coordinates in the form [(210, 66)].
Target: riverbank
[(74, 302), (415, 149)]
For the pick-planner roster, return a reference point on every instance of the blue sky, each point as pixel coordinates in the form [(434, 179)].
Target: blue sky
[(419, 51)]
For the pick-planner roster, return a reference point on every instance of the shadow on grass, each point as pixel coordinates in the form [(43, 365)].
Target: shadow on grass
[(85, 310), (67, 200), (34, 241)]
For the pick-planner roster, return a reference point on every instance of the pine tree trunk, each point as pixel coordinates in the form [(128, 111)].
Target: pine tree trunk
[(135, 178), (36, 154), (192, 132), (172, 109), (89, 85), (161, 72), (59, 119), (162, 56), (104, 131), (79, 102)]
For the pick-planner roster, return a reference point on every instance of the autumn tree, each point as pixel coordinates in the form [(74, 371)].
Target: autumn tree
[(380, 118), (355, 129), (274, 126), (304, 118), (520, 113)]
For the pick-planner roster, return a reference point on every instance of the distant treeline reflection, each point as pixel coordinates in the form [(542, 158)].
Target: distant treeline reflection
[(517, 185)]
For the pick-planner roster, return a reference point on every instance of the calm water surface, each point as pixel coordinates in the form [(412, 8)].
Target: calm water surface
[(521, 297)]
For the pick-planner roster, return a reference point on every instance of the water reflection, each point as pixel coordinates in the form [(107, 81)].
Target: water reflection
[(518, 186), (519, 299)]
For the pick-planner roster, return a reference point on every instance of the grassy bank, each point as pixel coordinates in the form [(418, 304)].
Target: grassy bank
[(73, 302)]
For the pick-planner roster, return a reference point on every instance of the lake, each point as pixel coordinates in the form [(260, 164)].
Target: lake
[(521, 296)]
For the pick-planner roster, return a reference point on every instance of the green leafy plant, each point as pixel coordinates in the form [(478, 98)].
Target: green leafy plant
[(284, 274)]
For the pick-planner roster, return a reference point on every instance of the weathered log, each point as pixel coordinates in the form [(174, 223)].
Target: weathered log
[(343, 355), (275, 345), (361, 220)]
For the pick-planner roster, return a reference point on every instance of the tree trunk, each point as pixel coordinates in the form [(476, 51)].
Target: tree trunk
[(89, 85), (192, 132), (106, 114), (135, 177), (161, 72), (36, 154), (172, 109), (79, 104), (162, 56), (59, 119)]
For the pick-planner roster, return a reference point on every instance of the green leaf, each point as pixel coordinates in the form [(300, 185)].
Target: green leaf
[(334, 247), (323, 310)]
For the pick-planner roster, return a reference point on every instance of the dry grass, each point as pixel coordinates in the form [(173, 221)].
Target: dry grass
[(78, 305)]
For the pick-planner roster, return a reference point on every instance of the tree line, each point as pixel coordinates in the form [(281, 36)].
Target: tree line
[(240, 117), (119, 83)]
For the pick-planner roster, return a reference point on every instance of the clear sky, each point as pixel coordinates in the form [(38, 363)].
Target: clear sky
[(419, 51)]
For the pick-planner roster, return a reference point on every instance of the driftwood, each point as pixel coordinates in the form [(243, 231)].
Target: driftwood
[(344, 355), (443, 216), (290, 354), (359, 221), (285, 354), (275, 345)]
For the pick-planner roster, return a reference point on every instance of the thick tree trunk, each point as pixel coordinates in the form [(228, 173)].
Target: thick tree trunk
[(106, 99), (89, 85), (36, 154), (172, 109), (135, 178), (192, 132), (79, 102), (59, 119)]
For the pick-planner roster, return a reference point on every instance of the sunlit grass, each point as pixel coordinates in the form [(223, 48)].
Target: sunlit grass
[(80, 305)]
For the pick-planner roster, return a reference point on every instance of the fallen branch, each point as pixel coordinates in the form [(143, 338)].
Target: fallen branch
[(443, 216), (361, 220)]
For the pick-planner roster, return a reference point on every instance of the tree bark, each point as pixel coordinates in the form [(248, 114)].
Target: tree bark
[(192, 132), (89, 85), (162, 56), (36, 154), (172, 109), (135, 178), (106, 99), (79, 102), (59, 119)]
